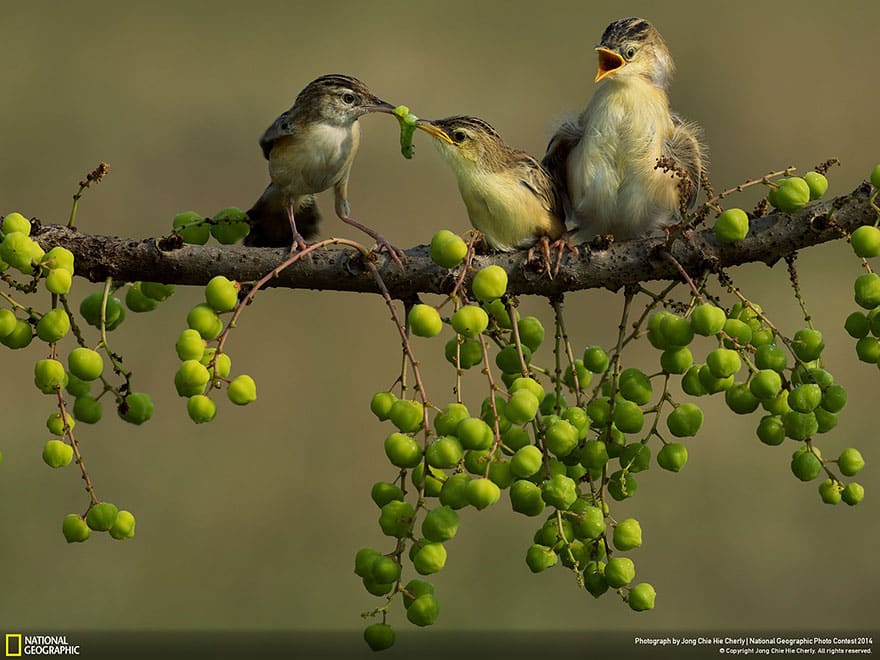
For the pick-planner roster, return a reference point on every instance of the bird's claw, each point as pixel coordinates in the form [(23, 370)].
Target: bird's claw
[(550, 265), (396, 254)]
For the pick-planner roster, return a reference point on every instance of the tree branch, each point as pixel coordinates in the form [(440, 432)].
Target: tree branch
[(341, 269)]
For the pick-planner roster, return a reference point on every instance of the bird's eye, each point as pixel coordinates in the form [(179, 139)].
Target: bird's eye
[(348, 98), (630, 52), (459, 136)]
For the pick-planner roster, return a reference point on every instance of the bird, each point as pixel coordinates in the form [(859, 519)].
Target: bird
[(509, 196), (627, 166), (311, 148)]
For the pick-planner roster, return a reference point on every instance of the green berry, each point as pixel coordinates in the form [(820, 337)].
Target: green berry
[(634, 386), (792, 194), (474, 433), (672, 456), (628, 417), (363, 561), (59, 281), (641, 597), (380, 404), (526, 498), (470, 321), (424, 320), (590, 524), (453, 493), (857, 325), (627, 534), (540, 558), (596, 359), (123, 526), (771, 430), (440, 524), (723, 362), (834, 398), (522, 407), (56, 425), (805, 465), (447, 249), (707, 319), (54, 325), (384, 570), (75, 529), (87, 409), (137, 302), (875, 176), (190, 345), (379, 636), (867, 290), (531, 332), (17, 250), (526, 461), (690, 382), (561, 438), (16, 222), (136, 408), (230, 225), (850, 462), (740, 399), (406, 415), (770, 356), (395, 518), (713, 384), (866, 241), (807, 344), (559, 491), (676, 330), (49, 375), (766, 384), (489, 284), (830, 491), (470, 352), (423, 611), (685, 421), (593, 455), (732, 226), (415, 588), (242, 390), (201, 409), (383, 492), (402, 450), (805, 398), (619, 572), (221, 294), (800, 426), (817, 184), (90, 308), (101, 516), (868, 350), (205, 321), (57, 453), (191, 227), (85, 364), (482, 493), (447, 420), (444, 452), (584, 376), (676, 360), (157, 291), (191, 378), (7, 323), (853, 493), (431, 558)]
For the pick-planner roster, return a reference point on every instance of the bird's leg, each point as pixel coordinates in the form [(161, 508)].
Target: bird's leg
[(551, 266), (298, 241), (343, 210)]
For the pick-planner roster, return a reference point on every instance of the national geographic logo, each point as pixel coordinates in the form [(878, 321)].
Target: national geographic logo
[(18, 645)]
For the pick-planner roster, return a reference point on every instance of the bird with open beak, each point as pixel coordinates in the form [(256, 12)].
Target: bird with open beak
[(627, 166), (508, 195), (310, 148)]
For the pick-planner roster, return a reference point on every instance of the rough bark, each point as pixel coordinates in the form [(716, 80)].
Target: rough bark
[(340, 269)]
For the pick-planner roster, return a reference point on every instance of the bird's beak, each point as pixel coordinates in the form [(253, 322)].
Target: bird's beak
[(431, 128), (609, 62), (378, 105)]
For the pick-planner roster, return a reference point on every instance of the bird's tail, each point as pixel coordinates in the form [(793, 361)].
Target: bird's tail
[(270, 226)]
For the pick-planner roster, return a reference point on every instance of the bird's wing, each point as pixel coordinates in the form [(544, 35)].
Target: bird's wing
[(685, 148), (538, 180), (556, 158), (281, 127)]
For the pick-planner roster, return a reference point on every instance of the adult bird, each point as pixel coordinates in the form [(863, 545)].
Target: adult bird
[(509, 196), (627, 166), (310, 148)]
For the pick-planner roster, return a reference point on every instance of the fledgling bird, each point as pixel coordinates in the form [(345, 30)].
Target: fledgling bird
[(509, 196), (606, 162), (310, 148)]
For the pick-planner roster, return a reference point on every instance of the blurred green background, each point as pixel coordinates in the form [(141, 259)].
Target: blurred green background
[(252, 522)]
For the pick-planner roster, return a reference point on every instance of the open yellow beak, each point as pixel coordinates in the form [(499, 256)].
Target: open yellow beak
[(609, 62), (432, 129)]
